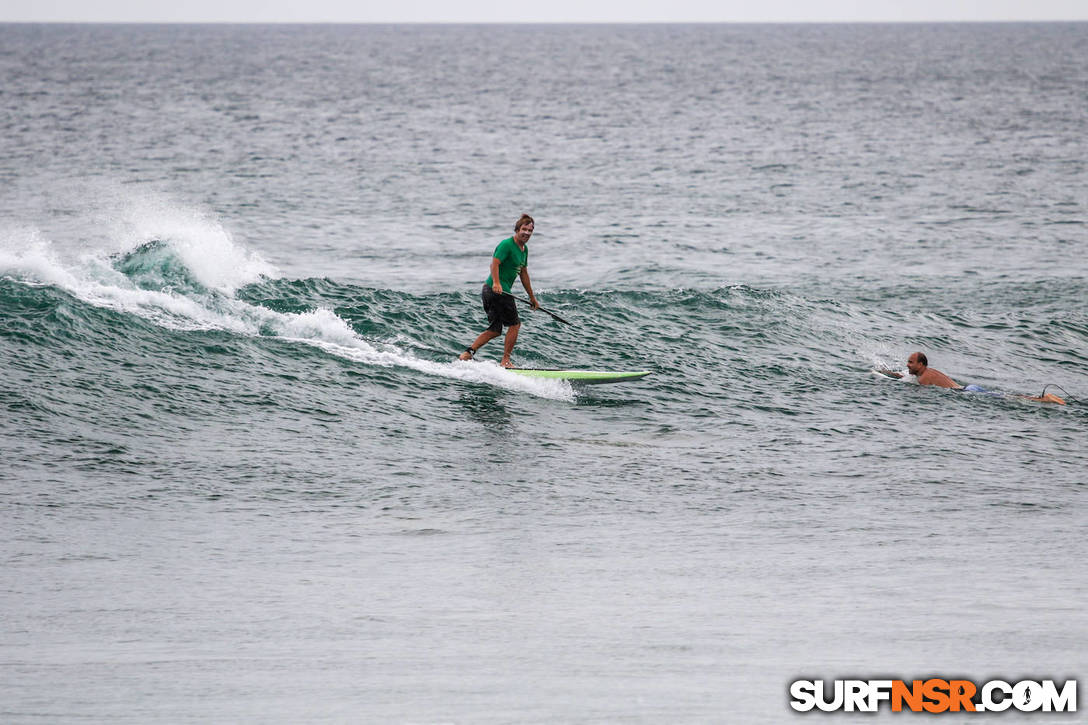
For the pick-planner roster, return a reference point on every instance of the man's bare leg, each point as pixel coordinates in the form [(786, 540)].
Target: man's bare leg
[(485, 337), (508, 344), (1048, 398)]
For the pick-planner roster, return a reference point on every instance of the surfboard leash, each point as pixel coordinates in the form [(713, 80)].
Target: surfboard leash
[(1068, 398)]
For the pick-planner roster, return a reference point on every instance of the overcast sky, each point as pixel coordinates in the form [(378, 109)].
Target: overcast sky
[(376, 11)]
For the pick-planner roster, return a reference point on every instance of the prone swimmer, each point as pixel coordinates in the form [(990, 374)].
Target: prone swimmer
[(918, 367)]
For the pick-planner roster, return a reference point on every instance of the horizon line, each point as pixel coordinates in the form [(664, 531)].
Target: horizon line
[(551, 22)]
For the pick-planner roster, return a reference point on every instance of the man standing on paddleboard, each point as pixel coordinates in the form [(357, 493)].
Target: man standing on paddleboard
[(510, 261)]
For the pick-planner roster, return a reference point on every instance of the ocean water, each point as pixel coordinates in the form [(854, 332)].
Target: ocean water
[(243, 479)]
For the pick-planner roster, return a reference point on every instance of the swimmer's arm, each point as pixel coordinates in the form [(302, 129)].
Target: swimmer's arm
[(890, 373)]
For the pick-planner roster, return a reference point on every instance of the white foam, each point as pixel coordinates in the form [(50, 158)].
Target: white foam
[(323, 329), (204, 246), (489, 373), (26, 255)]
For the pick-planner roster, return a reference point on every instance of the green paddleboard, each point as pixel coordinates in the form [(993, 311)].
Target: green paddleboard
[(584, 377)]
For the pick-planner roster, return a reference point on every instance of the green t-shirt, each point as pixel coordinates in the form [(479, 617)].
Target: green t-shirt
[(512, 259)]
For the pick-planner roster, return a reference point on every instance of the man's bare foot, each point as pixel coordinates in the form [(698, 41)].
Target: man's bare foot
[(466, 355), (506, 363)]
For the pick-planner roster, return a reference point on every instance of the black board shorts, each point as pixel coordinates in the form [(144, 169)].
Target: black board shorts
[(501, 310)]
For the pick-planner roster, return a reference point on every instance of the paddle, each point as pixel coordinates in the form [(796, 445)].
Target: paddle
[(522, 299)]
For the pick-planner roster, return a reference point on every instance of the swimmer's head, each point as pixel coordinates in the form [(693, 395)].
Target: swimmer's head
[(917, 363)]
